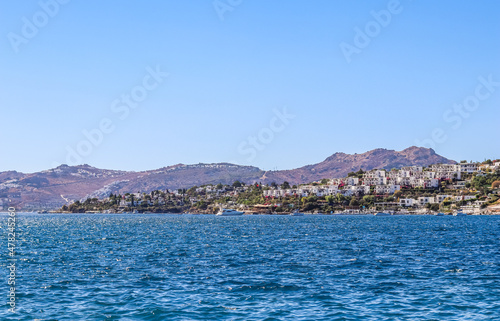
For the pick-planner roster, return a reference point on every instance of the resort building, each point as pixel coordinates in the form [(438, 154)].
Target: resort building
[(468, 167), (387, 189), (407, 202)]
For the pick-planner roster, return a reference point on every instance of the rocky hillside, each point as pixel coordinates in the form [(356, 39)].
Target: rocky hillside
[(340, 164), (56, 187)]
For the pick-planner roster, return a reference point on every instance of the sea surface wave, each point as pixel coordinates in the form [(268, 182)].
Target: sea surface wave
[(203, 267)]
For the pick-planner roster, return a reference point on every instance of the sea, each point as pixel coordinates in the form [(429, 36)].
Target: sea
[(252, 267)]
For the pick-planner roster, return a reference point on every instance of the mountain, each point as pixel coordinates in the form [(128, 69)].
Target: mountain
[(340, 164), (58, 186)]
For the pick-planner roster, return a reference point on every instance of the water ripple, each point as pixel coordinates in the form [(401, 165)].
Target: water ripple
[(177, 267)]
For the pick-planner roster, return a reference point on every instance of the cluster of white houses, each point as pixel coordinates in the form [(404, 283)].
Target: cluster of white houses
[(438, 199), (382, 182), (176, 197)]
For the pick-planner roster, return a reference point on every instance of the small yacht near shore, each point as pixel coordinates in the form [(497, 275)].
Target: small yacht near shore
[(382, 214), (229, 212), (296, 213), (459, 213)]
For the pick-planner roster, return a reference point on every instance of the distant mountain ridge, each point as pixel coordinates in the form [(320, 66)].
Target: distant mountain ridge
[(340, 164), (55, 187)]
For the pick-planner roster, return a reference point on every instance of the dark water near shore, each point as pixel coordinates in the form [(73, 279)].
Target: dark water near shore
[(183, 267)]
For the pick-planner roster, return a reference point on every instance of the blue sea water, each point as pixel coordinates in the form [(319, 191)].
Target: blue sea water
[(202, 267)]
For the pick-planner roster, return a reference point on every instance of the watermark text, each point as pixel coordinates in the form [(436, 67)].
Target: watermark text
[(122, 108), (11, 249), (363, 37), (455, 116), (265, 136), (31, 27)]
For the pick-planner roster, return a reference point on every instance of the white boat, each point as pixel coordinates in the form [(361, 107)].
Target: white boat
[(382, 214), (459, 213), (229, 212), (296, 213)]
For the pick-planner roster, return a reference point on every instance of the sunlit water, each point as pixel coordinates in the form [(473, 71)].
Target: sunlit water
[(186, 267)]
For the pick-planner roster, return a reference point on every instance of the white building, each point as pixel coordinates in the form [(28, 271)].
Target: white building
[(424, 200), (407, 202), (433, 182), (468, 167), (125, 203), (352, 181), (441, 198), (446, 171), (360, 189), (404, 181), (374, 181), (374, 173), (336, 181), (387, 189), (429, 174), (333, 189), (413, 169), (303, 191)]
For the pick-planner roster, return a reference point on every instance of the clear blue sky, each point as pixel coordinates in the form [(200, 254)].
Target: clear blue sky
[(229, 70)]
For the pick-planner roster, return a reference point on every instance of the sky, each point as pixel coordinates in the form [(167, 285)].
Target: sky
[(135, 85)]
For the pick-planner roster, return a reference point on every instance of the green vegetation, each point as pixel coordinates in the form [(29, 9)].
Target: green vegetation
[(480, 182), (358, 174)]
